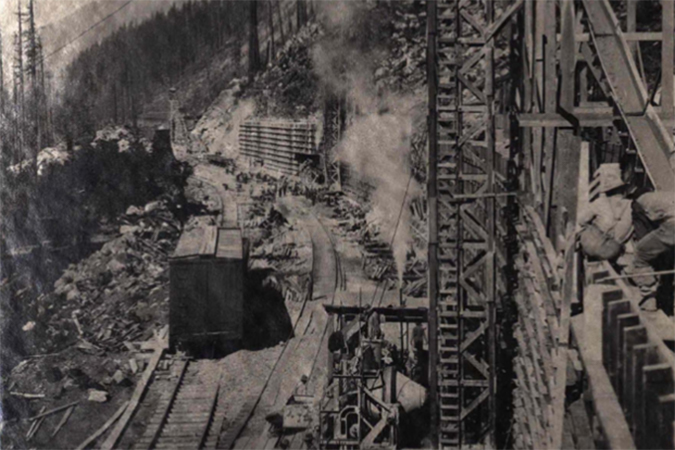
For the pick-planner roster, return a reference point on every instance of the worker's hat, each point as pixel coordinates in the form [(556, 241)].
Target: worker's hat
[(606, 178)]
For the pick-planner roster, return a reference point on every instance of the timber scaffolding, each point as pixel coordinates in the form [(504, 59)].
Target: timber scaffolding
[(528, 98), (281, 145)]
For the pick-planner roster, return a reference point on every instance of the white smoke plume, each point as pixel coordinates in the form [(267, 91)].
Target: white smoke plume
[(377, 142)]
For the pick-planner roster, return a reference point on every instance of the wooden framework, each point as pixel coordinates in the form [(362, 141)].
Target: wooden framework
[(466, 232), (579, 69), (574, 67), (333, 125)]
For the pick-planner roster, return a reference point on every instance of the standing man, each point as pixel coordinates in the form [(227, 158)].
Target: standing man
[(419, 337)]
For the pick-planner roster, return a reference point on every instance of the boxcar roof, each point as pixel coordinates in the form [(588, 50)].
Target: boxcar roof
[(214, 242)]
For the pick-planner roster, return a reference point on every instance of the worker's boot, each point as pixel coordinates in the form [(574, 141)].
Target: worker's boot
[(648, 302)]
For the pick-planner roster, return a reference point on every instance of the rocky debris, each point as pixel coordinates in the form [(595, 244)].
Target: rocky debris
[(282, 248), (377, 259), (120, 135), (288, 88), (50, 156), (117, 293), (202, 193), (414, 277), (229, 164), (97, 396), (404, 67)]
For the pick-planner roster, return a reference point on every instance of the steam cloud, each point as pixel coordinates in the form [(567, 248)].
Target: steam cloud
[(377, 143)]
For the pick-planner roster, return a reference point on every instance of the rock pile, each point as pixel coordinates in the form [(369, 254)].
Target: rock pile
[(288, 87), (120, 292), (405, 66), (377, 258)]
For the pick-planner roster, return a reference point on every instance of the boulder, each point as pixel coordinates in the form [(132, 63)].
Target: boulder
[(152, 206), (97, 396), (135, 211), (73, 294), (115, 266), (129, 229), (118, 377)]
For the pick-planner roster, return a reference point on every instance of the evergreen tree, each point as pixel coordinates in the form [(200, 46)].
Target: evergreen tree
[(281, 20), (2, 80), (270, 22), (33, 140), (253, 46), (301, 6), (18, 61)]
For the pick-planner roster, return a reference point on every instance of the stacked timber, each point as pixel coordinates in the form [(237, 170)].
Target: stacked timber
[(639, 365), (281, 145), (537, 299)]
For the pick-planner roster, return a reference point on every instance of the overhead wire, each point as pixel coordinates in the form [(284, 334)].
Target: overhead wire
[(87, 30)]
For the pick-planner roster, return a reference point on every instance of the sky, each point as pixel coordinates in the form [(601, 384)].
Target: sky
[(54, 14)]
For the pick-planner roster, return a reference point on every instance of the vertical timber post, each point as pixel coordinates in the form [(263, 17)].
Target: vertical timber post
[(667, 56), (490, 225), (432, 200), (550, 104)]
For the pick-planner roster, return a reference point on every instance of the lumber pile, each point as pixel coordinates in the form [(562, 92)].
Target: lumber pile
[(278, 143)]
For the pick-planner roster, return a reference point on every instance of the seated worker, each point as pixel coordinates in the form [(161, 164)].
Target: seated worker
[(606, 223), (659, 209)]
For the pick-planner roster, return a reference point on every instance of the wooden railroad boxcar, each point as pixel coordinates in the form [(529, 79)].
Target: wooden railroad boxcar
[(207, 272)]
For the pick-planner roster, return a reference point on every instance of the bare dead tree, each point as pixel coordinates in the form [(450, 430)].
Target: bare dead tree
[(281, 21)]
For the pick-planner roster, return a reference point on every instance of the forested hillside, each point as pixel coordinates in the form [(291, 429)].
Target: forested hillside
[(110, 81), (114, 80)]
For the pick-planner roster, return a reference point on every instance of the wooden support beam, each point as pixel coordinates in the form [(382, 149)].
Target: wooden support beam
[(623, 321), (643, 355), (538, 99), (567, 175), (633, 336), (550, 104), (588, 118), (587, 330), (658, 381), (667, 57), (653, 142), (567, 57), (612, 311), (643, 36), (98, 433), (116, 434)]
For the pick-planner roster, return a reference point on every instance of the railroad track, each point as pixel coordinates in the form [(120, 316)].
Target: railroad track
[(185, 411), (340, 282), (187, 415)]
